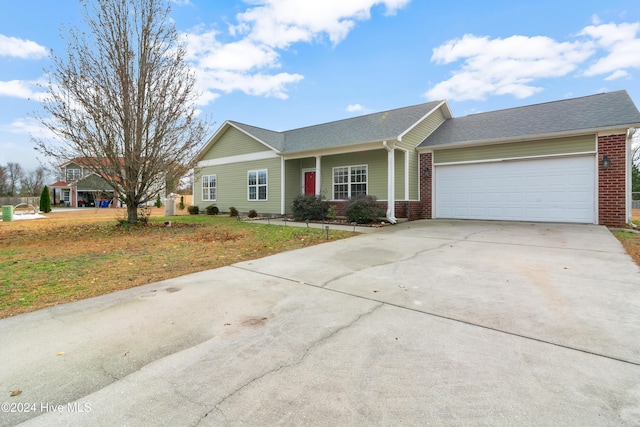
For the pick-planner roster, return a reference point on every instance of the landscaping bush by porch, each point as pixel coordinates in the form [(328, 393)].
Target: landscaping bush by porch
[(363, 209), (212, 210), (309, 207)]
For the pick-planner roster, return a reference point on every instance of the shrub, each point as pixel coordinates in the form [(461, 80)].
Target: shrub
[(158, 202), (233, 211), (363, 209), (212, 210), (193, 210), (309, 207), (45, 200), (252, 213), (143, 215), (332, 212), (181, 204)]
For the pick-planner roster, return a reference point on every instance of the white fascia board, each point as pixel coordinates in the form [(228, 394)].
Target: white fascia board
[(254, 137), (213, 139), (447, 115), (262, 155), (222, 129), (336, 150), (523, 138)]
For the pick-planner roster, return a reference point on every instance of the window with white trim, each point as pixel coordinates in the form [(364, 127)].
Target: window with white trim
[(73, 174), (257, 184), (349, 181), (209, 187)]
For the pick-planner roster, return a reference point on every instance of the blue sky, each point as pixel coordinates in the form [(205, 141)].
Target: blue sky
[(283, 64)]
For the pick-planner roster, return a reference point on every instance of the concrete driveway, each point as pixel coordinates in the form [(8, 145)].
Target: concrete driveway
[(423, 323)]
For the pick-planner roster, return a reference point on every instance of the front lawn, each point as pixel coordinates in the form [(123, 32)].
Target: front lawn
[(45, 262), (631, 242)]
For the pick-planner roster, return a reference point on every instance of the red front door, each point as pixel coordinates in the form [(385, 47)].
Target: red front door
[(309, 183)]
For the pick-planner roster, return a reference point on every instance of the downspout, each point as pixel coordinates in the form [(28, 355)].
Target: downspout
[(629, 173), (391, 200)]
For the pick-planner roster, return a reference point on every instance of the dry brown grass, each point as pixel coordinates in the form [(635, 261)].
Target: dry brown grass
[(75, 255)]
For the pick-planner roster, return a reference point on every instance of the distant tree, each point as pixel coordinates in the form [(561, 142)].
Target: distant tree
[(124, 99), (32, 183), (635, 170), (15, 174), (635, 181), (3, 181), (45, 200)]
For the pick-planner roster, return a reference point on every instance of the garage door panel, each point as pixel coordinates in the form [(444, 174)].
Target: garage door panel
[(557, 190)]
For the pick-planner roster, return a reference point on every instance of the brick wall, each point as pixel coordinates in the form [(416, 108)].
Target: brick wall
[(425, 185), (411, 210), (611, 182)]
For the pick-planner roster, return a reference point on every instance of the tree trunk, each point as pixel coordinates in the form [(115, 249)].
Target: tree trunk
[(132, 213)]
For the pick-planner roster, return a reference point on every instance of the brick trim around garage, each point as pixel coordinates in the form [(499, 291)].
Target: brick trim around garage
[(612, 210)]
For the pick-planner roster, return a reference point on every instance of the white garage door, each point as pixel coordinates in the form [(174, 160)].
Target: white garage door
[(552, 190)]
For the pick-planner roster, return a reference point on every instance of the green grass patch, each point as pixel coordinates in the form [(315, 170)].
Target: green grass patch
[(54, 264)]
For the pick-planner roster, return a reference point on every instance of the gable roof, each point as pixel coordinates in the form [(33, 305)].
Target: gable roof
[(273, 139), (570, 116), (382, 126)]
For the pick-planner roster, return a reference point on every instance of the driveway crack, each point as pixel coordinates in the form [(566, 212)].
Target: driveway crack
[(216, 407), (414, 255)]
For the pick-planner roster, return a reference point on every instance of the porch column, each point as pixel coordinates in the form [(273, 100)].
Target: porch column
[(318, 164), (283, 208), (391, 181)]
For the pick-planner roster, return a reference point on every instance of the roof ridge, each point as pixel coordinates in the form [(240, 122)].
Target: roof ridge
[(253, 126), (360, 116), (545, 103)]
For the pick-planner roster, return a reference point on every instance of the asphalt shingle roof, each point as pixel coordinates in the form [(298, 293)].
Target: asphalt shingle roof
[(601, 111), (274, 139), (385, 125)]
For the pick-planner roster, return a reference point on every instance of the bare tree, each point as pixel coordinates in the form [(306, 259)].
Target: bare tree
[(33, 182), (124, 99), (3, 181), (15, 173)]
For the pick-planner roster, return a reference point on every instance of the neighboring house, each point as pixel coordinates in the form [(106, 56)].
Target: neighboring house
[(80, 187), (562, 161)]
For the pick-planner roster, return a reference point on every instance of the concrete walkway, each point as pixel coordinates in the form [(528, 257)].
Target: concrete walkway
[(423, 323)]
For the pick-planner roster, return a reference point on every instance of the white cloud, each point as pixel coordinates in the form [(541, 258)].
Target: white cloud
[(512, 65), (258, 84), (622, 45), (279, 23), (352, 108), (22, 89), (504, 66), (19, 48), (259, 36), (27, 126)]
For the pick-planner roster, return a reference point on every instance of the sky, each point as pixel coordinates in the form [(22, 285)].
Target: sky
[(285, 64)]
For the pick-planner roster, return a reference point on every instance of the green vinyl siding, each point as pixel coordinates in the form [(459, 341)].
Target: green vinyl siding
[(376, 162), (514, 150), (293, 182), (415, 136), (234, 143), (308, 163), (410, 141), (232, 186), (399, 171)]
